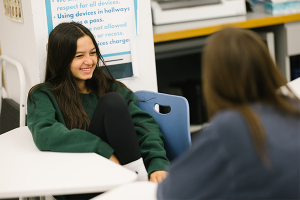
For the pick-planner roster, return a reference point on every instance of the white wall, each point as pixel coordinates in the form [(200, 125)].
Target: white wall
[(41, 34), (145, 49), (18, 42), (26, 43)]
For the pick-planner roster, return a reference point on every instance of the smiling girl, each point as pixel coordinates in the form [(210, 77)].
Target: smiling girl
[(80, 108)]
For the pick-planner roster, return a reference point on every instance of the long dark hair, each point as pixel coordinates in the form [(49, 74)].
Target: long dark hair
[(62, 46), (238, 71)]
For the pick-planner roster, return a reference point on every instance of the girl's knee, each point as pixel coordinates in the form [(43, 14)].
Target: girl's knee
[(113, 101), (113, 97)]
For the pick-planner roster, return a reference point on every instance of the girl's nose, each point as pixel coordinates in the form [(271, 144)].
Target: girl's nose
[(88, 60)]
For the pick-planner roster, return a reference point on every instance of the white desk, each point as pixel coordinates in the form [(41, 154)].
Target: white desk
[(295, 86), (140, 190), (25, 171)]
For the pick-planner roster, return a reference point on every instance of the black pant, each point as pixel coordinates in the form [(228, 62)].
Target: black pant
[(112, 122)]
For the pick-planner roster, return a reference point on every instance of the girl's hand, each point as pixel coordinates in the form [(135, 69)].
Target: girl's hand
[(158, 176), (114, 159)]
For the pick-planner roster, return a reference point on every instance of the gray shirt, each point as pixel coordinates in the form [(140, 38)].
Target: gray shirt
[(223, 164)]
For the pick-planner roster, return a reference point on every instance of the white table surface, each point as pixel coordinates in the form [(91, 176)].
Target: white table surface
[(139, 190), (258, 13), (295, 86), (25, 171)]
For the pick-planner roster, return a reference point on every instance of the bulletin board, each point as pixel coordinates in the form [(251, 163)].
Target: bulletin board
[(113, 24)]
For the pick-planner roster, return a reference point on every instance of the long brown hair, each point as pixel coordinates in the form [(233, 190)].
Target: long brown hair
[(239, 71), (62, 46)]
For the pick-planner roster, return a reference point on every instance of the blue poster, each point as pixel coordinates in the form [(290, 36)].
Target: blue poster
[(112, 22)]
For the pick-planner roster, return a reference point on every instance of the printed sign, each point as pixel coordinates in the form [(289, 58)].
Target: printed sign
[(112, 22), (13, 10)]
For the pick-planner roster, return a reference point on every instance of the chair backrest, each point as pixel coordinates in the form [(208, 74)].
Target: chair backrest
[(10, 115), (22, 109), (174, 125)]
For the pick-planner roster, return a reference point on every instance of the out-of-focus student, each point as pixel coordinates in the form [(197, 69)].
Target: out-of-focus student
[(250, 150)]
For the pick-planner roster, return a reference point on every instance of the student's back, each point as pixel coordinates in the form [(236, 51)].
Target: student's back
[(250, 178), (251, 149), (223, 163)]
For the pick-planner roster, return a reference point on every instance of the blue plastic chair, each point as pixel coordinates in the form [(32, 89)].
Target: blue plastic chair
[(174, 125)]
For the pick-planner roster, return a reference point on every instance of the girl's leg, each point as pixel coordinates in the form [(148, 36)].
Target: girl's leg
[(112, 122)]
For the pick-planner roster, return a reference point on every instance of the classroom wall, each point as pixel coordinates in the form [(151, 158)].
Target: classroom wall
[(18, 41), (26, 43), (145, 48)]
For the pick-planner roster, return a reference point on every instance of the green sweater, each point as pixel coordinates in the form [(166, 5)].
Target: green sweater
[(46, 123)]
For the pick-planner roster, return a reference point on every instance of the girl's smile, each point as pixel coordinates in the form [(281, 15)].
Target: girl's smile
[(85, 60)]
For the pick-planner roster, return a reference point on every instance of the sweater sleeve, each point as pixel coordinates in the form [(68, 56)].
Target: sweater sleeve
[(150, 138), (49, 132)]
